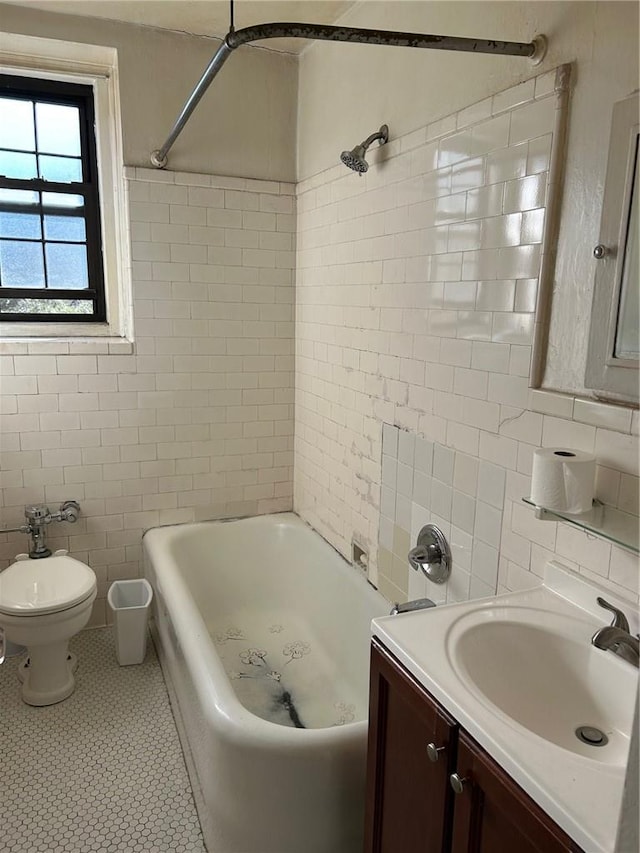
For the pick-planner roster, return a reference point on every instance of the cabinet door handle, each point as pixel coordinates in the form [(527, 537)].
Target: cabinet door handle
[(434, 751), (457, 783)]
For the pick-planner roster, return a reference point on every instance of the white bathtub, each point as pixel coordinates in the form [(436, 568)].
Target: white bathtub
[(263, 628)]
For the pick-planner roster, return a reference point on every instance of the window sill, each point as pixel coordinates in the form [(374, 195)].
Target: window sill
[(61, 342)]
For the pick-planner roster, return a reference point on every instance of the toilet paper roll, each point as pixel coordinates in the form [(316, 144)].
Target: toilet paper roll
[(563, 479)]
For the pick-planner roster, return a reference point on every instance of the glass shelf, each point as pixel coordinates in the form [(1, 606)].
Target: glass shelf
[(604, 521)]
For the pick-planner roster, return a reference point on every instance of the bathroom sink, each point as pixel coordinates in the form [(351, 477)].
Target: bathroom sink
[(540, 670), (519, 674)]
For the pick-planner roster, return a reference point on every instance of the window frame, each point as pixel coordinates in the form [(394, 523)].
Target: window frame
[(96, 66), (41, 90)]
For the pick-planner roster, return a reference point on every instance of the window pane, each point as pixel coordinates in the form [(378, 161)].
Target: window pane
[(69, 228), (21, 264), (18, 198), (16, 124), (67, 266), (60, 168), (51, 201), (46, 306), (23, 225), (58, 129), (13, 165)]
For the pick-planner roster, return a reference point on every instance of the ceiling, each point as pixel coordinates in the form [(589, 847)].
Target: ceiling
[(203, 17)]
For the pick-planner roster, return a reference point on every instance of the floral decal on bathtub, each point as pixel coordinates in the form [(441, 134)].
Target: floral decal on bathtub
[(253, 657), (229, 634), (347, 713), (295, 651), (257, 658), (277, 691), (272, 674)]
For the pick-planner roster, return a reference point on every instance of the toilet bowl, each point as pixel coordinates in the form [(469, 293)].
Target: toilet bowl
[(43, 603)]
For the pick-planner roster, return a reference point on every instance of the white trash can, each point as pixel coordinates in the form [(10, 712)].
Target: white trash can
[(130, 602)]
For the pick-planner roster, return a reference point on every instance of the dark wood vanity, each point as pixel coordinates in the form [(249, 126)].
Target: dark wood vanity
[(417, 754)]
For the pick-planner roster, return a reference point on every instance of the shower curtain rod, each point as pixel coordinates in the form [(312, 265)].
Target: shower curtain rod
[(534, 50)]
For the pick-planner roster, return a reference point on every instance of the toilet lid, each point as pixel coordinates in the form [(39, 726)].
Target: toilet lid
[(36, 587)]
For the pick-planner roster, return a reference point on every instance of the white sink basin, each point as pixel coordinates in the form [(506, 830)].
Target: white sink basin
[(541, 671)]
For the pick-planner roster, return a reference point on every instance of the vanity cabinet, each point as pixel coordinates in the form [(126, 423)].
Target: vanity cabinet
[(409, 799), (414, 748)]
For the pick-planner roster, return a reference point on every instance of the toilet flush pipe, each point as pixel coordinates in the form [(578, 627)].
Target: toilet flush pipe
[(533, 50), (38, 516)]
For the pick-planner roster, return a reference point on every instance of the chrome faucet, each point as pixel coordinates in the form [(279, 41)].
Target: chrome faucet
[(617, 637), (412, 606), (38, 516)]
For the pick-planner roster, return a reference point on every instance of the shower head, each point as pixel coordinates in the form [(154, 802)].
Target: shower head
[(355, 159)]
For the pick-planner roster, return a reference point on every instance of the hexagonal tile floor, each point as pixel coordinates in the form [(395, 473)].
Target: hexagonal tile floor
[(101, 771)]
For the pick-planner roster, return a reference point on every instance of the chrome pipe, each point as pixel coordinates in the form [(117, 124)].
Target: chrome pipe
[(159, 156), (24, 528), (534, 50), (390, 38)]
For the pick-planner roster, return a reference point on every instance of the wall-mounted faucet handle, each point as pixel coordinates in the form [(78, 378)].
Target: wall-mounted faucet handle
[(619, 619), (432, 554)]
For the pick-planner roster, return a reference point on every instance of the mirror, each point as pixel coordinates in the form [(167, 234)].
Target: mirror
[(626, 340), (613, 356)]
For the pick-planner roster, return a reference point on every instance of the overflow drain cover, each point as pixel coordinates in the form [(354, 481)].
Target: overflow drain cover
[(591, 736)]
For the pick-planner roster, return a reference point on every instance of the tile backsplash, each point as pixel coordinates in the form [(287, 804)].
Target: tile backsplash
[(494, 537), (415, 298), (195, 421), (424, 482)]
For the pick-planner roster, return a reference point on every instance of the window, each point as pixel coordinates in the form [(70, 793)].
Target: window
[(73, 190), (50, 258)]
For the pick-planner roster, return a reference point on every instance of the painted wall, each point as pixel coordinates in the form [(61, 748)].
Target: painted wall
[(196, 422), (244, 125), (354, 89)]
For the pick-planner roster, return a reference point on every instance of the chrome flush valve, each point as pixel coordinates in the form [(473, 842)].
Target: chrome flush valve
[(37, 517)]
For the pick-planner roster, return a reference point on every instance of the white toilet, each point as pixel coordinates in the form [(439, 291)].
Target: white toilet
[(43, 603)]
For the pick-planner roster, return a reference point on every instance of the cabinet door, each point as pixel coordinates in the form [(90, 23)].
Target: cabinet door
[(409, 800), (494, 815)]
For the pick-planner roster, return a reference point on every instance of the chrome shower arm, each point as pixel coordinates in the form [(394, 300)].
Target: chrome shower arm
[(382, 135), (534, 50)]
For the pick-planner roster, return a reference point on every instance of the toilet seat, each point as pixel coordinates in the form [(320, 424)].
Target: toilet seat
[(50, 585)]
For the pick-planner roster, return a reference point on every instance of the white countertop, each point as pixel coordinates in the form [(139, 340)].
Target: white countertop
[(582, 794)]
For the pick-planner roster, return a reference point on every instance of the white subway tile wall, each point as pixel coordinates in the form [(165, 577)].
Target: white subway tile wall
[(415, 293), (462, 495), (197, 422)]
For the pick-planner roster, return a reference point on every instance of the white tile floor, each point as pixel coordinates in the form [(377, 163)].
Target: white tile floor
[(101, 771)]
